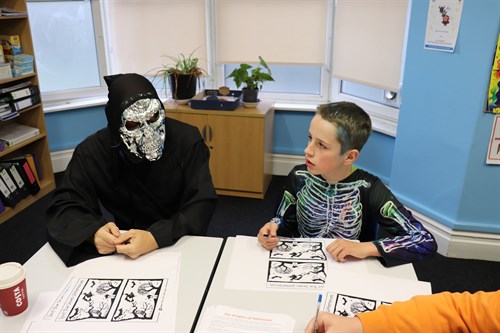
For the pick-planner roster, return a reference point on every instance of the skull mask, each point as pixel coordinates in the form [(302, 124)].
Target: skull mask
[(143, 129)]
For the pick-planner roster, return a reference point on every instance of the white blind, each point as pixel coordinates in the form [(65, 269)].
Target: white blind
[(281, 31), (368, 41), (141, 32)]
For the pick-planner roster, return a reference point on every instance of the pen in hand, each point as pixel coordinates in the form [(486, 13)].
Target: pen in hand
[(315, 327)]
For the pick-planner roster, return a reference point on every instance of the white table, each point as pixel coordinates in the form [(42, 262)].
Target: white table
[(46, 272), (299, 305)]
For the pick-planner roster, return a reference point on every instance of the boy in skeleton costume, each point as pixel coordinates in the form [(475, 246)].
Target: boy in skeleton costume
[(328, 198), (149, 172)]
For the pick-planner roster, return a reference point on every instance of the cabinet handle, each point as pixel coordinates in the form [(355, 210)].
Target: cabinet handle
[(210, 136), (204, 133)]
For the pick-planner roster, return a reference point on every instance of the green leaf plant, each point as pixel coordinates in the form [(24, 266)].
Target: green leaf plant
[(251, 77)]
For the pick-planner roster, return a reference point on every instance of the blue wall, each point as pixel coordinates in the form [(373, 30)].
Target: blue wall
[(440, 151), (436, 165), (67, 128)]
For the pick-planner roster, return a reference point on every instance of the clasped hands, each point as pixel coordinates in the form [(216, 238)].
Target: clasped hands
[(339, 249), (133, 243)]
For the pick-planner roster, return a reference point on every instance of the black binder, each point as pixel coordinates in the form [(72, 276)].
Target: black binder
[(6, 195), (27, 174), (13, 198), (21, 104), (18, 179), (23, 92)]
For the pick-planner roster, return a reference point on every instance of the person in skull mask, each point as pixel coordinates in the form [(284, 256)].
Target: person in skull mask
[(149, 172)]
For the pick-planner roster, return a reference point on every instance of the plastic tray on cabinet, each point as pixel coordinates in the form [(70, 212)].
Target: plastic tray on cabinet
[(211, 99)]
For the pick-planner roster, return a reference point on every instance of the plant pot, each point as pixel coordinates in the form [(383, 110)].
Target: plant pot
[(182, 86), (250, 95)]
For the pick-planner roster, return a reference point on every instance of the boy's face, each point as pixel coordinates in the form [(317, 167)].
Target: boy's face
[(323, 151)]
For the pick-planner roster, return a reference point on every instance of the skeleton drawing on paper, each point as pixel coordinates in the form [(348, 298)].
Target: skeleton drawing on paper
[(138, 300), (115, 299), (348, 305), (95, 300), (297, 262), (295, 249)]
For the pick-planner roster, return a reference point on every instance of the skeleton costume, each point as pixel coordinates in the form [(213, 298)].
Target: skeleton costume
[(147, 171), (352, 209)]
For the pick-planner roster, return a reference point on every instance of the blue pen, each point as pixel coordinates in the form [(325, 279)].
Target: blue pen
[(320, 297)]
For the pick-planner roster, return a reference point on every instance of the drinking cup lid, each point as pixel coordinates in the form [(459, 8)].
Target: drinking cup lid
[(11, 273)]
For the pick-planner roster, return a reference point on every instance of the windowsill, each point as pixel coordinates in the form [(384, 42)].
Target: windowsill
[(295, 107), (74, 104), (380, 124)]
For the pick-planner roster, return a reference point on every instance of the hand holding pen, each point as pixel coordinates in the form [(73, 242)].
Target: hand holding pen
[(268, 235)]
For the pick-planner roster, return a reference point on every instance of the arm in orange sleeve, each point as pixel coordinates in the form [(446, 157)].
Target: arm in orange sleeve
[(442, 312)]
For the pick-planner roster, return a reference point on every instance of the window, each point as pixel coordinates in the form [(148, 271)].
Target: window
[(69, 49), (305, 55)]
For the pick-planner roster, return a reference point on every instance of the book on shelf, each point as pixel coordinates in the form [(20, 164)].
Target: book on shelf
[(5, 11), (15, 87), (15, 133), (28, 174)]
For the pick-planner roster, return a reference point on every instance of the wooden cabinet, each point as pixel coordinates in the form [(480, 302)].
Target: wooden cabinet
[(32, 115), (240, 143)]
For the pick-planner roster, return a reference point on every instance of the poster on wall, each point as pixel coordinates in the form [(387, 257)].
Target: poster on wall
[(494, 87), (443, 22), (494, 146)]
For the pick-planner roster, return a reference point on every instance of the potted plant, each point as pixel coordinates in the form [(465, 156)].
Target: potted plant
[(252, 78), (181, 76)]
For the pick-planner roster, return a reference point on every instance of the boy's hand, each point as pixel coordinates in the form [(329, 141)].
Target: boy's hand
[(104, 238), (267, 235), (339, 249), (134, 243)]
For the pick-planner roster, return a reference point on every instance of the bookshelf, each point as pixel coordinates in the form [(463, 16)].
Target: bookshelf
[(32, 116)]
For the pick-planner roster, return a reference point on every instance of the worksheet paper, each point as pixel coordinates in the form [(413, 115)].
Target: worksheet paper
[(220, 318), (303, 265), (113, 294), (347, 294)]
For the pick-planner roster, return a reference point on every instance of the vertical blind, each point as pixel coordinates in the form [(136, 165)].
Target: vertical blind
[(142, 32), (368, 41), (281, 31)]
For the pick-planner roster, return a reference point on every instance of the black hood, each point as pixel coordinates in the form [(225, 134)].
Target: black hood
[(123, 91)]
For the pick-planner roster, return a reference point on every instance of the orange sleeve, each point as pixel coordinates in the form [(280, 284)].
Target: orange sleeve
[(442, 312)]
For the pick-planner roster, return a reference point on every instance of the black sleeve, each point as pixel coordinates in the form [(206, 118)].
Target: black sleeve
[(74, 214)]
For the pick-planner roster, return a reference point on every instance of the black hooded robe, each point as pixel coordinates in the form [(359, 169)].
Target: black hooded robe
[(170, 197)]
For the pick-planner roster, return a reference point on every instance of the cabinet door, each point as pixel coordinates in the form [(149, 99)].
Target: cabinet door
[(237, 148), (198, 120)]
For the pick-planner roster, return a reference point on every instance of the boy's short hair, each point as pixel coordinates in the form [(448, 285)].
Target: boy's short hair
[(353, 124)]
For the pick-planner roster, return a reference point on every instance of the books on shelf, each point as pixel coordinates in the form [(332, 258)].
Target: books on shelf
[(5, 11), (14, 133), (17, 98)]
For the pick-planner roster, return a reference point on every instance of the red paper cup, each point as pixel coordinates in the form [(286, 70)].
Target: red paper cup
[(13, 294)]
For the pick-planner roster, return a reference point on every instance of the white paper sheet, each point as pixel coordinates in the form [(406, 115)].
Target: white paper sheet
[(219, 318), (254, 268), (113, 294), (347, 293)]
